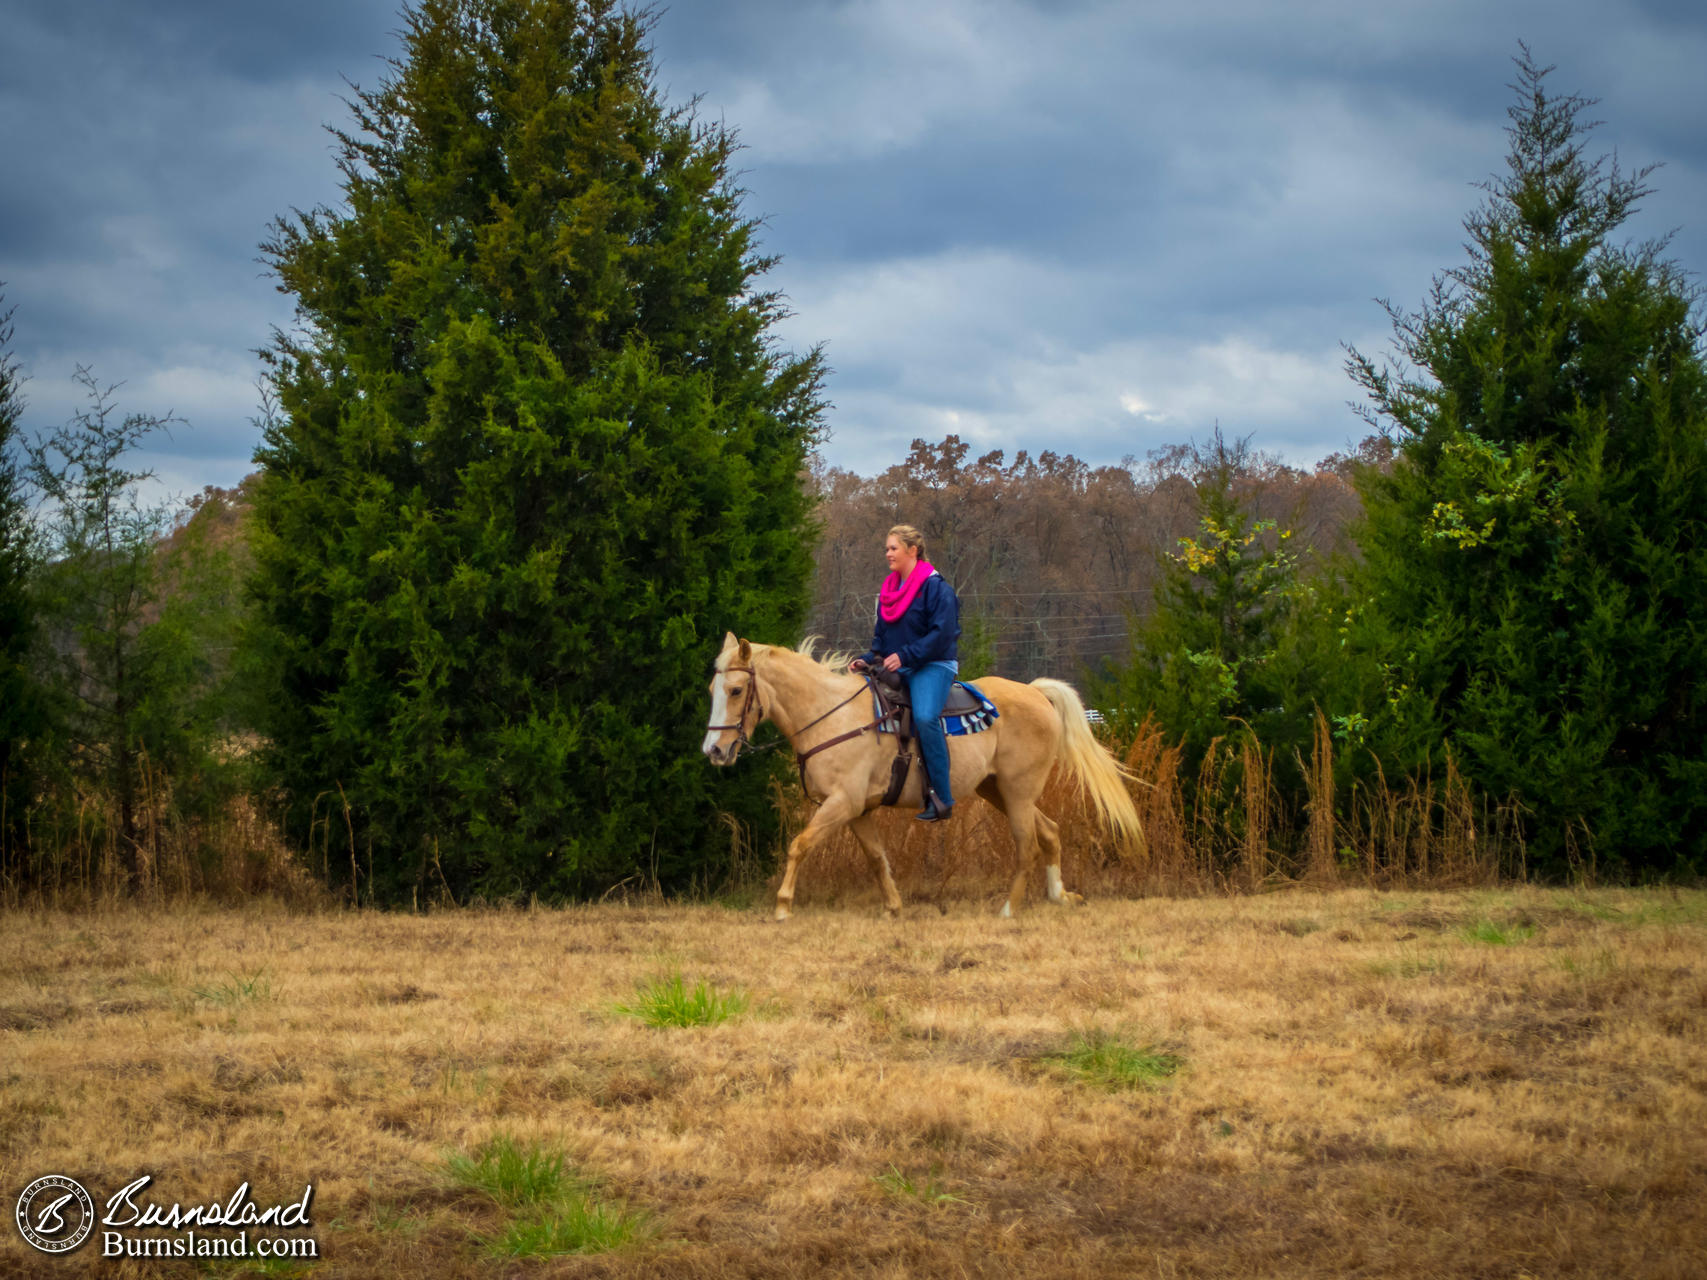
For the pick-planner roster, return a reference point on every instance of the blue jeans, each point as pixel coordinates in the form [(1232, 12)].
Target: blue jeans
[(928, 685)]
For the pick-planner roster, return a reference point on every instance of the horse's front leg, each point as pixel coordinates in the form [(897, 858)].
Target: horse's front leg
[(835, 813)]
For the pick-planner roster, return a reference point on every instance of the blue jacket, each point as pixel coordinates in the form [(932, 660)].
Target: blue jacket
[(927, 632)]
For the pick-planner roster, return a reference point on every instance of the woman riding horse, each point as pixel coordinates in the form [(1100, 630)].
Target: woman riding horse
[(846, 764), (918, 627)]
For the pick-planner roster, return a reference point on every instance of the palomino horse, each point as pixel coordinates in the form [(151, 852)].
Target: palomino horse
[(813, 701)]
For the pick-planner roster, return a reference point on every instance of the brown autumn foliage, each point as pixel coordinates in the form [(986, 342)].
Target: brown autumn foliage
[(1050, 556)]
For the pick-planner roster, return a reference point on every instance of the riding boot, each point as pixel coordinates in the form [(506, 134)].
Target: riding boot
[(935, 810)]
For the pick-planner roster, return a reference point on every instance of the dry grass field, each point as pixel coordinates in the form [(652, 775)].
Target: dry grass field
[(1355, 1083)]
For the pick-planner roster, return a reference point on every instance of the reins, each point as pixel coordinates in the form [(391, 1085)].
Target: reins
[(801, 757)]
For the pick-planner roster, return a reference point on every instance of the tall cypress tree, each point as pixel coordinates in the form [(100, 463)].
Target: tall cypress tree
[(21, 715), (534, 452), (1536, 557)]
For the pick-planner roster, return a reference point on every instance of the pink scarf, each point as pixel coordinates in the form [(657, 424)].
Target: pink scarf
[(894, 596)]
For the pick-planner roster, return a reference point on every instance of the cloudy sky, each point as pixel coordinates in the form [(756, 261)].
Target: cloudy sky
[(1097, 227)]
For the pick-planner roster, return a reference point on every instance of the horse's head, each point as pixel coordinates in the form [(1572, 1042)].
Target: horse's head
[(735, 709)]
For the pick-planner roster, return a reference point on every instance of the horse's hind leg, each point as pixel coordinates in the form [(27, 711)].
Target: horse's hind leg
[(865, 831), (1033, 829), (1023, 821), (1049, 836)]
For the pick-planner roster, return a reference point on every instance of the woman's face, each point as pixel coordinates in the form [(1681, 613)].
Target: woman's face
[(900, 556)]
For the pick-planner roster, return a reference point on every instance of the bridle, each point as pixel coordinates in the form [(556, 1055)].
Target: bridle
[(800, 757), (740, 725)]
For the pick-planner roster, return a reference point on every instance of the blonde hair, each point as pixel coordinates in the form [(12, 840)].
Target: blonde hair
[(910, 537)]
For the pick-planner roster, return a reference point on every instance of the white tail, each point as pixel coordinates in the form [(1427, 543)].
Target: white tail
[(1090, 764)]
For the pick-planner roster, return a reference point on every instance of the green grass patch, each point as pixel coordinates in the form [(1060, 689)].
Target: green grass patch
[(277, 1268), (1642, 907), (578, 1223), (1668, 906), (554, 1210), (1106, 1061), (1601, 964), (927, 1190), (1494, 934), (236, 990), (1602, 911), (512, 1174), (395, 1219), (667, 1001)]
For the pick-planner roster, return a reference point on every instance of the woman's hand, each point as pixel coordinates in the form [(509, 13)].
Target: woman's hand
[(892, 662), (857, 665)]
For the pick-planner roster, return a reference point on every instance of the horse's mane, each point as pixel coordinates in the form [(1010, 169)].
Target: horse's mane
[(835, 660)]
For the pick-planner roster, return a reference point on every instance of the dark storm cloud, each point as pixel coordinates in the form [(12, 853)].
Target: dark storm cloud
[(256, 43), (150, 147), (1112, 226), (1089, 226)]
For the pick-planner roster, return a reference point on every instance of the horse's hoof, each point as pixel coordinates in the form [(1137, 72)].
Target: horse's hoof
[(782, 913)]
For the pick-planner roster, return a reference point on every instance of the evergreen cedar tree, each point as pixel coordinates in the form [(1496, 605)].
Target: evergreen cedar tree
[(21, 713), (534, 452), (1534, 563)]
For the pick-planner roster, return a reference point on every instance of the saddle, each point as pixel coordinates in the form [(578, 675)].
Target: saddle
[(892, 694), (894, 702)]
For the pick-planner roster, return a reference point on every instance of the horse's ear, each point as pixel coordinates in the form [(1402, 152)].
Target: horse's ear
[(746, 652), (729, 641)]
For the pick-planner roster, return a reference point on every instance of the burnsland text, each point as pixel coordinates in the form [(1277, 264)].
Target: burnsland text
[(238, 1211)]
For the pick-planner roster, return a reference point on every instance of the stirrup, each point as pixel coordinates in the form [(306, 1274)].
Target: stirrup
[(934, 810)]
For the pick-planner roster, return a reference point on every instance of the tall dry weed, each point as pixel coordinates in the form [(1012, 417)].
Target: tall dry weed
[(74, 860), (1259, 801), (1320, 864), (1422, 833)]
